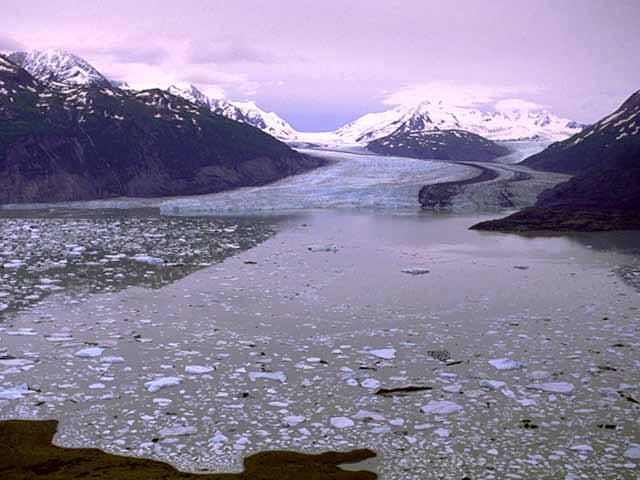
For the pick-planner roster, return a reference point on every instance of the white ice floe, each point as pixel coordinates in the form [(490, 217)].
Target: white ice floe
[(492, 384), (14, 393), (553, 387), (15, 362), (164, 382), (198, 369), (453, 388), (293, 420), (178, 431), (367, 415), (633, 452), (582, 448), (341, 422), (278, 376), (506, 364), (384, 353), (539, 375), (112, 359), (440, 407), (90, 352), (218, 438), (370, 383), (23, 332), (441, 432), (416, 271), (148, 259)]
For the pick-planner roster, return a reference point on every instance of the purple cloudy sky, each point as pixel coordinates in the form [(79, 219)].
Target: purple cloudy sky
[(320, 64)]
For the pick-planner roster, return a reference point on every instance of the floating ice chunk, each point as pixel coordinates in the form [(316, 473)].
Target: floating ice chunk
[(198, 369), (323, 248), (293, 420), (59, 337), (581, 448), (15, 362), (13, 264), (506, 364), (164, 382), (416, 271), (90, 352), (148, 259), (97, 386), (23, 332), (633, 452), (441, 407), (492, 384), (112, 359), (441, 432), (553, 387), (218, 438), (539, 375), (367, 415), (371, 383), (179, 431), (492, 451), (14, 393), (453, 388), (384, 353), (3, 306), (341, 422), (279, 376)]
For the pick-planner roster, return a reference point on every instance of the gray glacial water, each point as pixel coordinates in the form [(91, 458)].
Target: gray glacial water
[(528, 345)]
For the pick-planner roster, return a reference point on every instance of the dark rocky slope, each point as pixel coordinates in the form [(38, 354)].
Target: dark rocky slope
[(616, 136), (438, 145), (63, 143), (605, 195)]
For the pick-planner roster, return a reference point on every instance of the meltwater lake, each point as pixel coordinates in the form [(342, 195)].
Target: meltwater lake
[(449, 352)]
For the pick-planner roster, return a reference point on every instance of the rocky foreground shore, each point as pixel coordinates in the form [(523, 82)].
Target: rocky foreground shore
[(29, 452)]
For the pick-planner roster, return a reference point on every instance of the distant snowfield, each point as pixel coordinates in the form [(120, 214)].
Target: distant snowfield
[(354, 180)]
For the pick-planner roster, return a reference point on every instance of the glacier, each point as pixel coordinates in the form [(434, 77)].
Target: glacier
[(351, 180)]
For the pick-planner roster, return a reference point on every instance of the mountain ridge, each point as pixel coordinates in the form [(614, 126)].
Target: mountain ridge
[(423, 116), (85, 142), (605, 192)]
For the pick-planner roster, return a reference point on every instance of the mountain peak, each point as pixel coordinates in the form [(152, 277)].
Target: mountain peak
[(58, 65)]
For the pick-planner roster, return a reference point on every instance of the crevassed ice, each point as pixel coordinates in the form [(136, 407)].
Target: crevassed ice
[(351, 181)]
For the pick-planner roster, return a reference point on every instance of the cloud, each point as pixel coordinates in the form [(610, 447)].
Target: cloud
[(8, 44), (462, 95), (207, 78), (517, 104), (228, 51), (126, 53)]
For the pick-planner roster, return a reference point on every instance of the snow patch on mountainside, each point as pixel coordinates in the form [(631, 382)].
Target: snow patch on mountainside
[(245, 112), (57, 65), (514, 124)]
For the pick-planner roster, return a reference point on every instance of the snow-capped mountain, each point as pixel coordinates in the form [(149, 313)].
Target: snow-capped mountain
[(59, 66), (245, 112), (428, 116)]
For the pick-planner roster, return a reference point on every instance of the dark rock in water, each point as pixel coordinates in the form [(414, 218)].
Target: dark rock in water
[(29, 453), (437, 144), (441, 355), (390, 392), (66, 143), (439, 195), (605, 193)]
